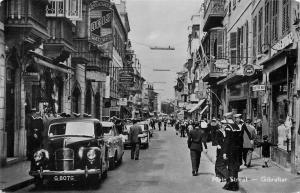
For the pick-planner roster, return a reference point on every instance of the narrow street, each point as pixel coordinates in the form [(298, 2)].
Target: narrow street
[(163, 168)]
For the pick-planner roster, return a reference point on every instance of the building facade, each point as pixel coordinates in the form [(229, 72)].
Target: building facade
[(249, 58)]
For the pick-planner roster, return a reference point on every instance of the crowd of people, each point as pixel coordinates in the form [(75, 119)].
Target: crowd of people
[(234, 138)]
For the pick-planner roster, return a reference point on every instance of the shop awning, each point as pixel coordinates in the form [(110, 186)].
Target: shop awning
[(197, 106), (47, 62), (204, 109)]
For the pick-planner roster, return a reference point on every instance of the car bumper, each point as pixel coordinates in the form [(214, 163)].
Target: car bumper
[(49, 173)]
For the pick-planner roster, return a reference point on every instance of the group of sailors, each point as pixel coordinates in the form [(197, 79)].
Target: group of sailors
[(234, 139)]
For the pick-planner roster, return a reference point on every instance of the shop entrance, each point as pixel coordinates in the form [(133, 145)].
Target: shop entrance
[(10, 111), (239, 107)]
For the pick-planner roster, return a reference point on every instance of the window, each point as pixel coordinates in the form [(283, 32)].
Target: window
[(254, 36), (220, 44), (233, 46), (246, 40), (267, 26), (55, 8), (71, 9), (286, 17), (259, 33), (274, 20)]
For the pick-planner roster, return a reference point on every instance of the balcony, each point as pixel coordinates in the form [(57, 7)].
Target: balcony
[(26, 21), (212, 74), (60, 30), (213, 14)]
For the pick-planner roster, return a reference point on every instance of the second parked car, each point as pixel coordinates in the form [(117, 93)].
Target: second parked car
[(114, 142)]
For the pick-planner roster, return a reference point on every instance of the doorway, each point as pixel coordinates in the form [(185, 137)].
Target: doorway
[(10, 111)]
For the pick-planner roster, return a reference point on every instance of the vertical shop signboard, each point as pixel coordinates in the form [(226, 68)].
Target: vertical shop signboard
[(100, 23)]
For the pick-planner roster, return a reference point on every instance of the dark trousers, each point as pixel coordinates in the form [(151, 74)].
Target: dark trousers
[(221, 166), (159, 127), (165, 127), (234, 163), (182, 133), (247, 155), (135, 150), (195, 158)]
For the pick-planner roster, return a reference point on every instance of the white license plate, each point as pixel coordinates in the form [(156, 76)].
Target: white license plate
[(63, 178)]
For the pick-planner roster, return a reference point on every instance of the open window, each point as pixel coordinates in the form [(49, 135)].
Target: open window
[(71, 9)]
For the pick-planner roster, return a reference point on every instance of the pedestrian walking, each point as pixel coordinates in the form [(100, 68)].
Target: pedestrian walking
[(195, 145), (135, 140), (240, 123), (232, 152), (182, 129), (213, 127), (248, 142), (265, 145), (177, 127), (221, 164), (165, 125), (159, 125)]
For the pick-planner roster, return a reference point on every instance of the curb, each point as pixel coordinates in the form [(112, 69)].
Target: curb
[(18, 186)]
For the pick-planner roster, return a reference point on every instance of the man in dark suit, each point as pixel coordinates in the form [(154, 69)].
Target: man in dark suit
[(135, 140), (232, 153), (221, 164), (195, 140)]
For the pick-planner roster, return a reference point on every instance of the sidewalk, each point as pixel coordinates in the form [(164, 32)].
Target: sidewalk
[(257, 179), (15, 176)]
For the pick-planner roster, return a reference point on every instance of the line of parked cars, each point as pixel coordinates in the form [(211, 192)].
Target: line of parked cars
[(81, 150)]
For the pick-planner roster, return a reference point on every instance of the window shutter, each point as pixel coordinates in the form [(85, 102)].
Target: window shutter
[(74, 9), (238, 46), (246, 40), (55, 8), (220, 44), (233, 45)]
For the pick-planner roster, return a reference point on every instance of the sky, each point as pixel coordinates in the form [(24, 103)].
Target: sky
[(161, 23)]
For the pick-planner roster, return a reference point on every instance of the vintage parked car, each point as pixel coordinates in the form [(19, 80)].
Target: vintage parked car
[(74, 151), (150, 129), (114, 142), (146, 135), (125, 134)]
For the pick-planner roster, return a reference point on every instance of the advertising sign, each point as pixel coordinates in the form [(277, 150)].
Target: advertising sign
[(122, 102), (249, 70), (126, 77), (100, 22), (258, 88)]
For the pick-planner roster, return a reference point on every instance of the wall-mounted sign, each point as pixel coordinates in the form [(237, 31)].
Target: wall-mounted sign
[(31, 77), (100, 22), (249, 70), (258, 88), (126, 77), (284, 42), (122, 102), (222, 63)]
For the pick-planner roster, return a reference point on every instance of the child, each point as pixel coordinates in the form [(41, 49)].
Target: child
[(266, 150)]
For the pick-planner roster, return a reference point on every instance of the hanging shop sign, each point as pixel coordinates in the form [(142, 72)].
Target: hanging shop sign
[(126, 77), (100, 22), (222, 63), (31, 77), (122, 102), (258, 88), (249, 70)]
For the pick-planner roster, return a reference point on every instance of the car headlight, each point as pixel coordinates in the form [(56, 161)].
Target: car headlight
[(40, 154), (91, 154)]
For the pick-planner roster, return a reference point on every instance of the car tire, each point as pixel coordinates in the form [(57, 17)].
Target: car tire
[(39, 183), (112, 163), (93, 181)]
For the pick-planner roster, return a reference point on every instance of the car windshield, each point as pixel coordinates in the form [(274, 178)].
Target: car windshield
[(107, 130), (72, 128)]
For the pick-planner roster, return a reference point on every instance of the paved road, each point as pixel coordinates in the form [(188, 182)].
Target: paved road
[(163, 168)]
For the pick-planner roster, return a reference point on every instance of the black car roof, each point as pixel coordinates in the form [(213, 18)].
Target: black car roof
[(72, 119)]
